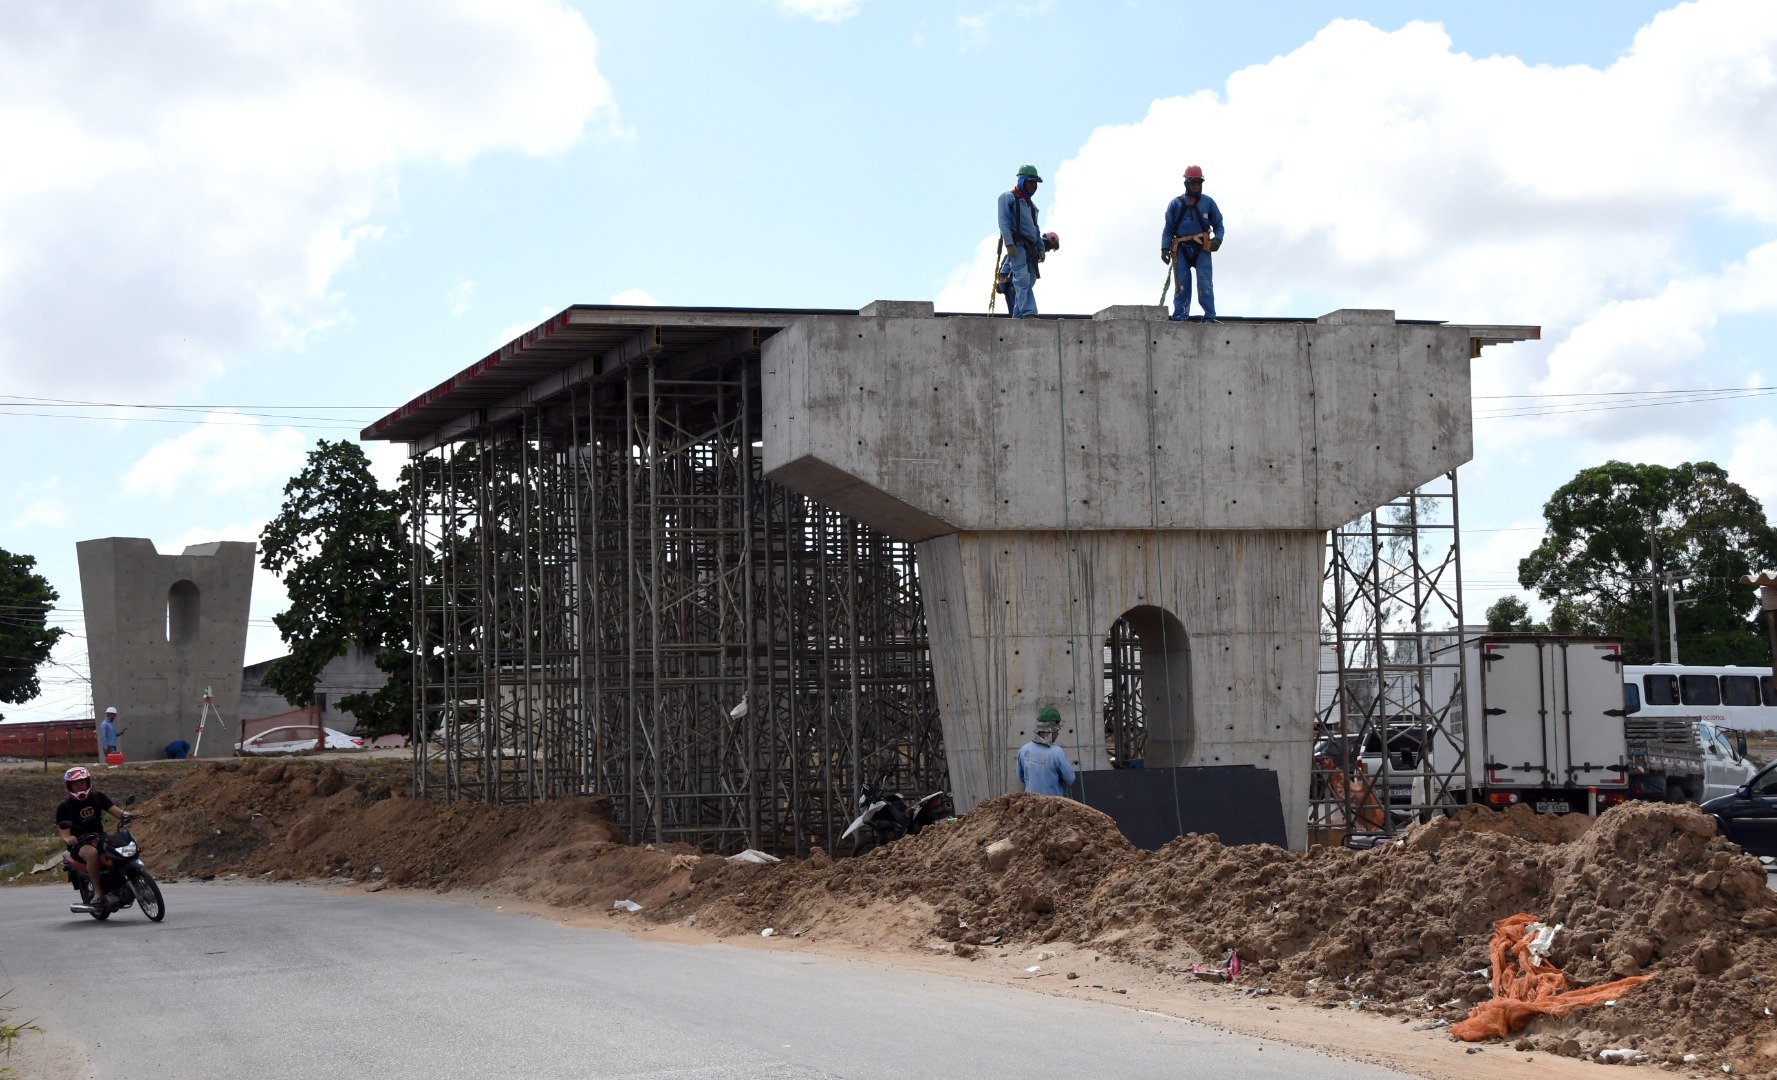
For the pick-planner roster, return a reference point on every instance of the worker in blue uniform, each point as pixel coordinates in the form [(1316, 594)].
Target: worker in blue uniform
[(1043, 767), (1023, 244), (1193, 230)]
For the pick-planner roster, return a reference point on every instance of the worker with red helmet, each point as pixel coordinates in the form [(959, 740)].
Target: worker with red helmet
[(1023, 245), (1193, 230), (81, 820)]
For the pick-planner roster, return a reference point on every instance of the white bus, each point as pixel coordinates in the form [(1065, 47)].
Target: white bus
[(1736, 697)]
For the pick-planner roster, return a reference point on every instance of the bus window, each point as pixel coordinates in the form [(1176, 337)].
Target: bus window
[(1739, 690), (1631, 699), (1661, 689), (1764, 683), (1699, 689)]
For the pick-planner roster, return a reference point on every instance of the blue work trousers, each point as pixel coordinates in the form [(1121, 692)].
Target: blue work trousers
[(1189, 256), (1023, 301)]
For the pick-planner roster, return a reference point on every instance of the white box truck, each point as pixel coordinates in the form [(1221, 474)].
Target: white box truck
[(1547, 726)]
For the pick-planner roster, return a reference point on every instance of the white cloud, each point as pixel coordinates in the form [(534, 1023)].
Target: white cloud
[(42, 504), (1378, 169), (201, 170), (822, 10), (1753, 462), (635, 298), (460, 298), (229, 454), (386, 461)]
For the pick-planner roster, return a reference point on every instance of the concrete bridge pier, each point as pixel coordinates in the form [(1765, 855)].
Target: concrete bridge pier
[(1058, 474)]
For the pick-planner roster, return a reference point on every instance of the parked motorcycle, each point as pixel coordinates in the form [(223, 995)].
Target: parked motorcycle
[(122, 879), (885, 816)]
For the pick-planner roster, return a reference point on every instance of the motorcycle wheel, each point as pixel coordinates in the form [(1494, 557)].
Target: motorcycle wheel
[(86, 897), (148, 897), (864, 843)]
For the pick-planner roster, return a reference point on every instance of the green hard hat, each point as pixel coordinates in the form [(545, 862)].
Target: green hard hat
[(1048, 717), (1030, 172)]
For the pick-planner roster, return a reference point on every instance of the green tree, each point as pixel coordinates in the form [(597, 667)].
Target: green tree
[(339, 544), (25, 636), (1509, 614), (1617, 528)]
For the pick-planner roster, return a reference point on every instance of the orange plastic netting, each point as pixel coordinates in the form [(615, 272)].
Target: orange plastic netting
[(1532, 990)]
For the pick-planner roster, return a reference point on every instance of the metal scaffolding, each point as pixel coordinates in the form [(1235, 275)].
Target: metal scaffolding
[(1390, 744), (610, 598)]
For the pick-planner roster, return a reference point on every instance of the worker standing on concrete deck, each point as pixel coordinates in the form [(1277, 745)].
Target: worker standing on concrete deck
[(1024, 246), (1193, 230), (1043, 767)]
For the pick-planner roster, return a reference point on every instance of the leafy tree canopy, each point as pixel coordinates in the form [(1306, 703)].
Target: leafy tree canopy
[(25, 636), (1508, 614), (1598, 559), (338, 544)]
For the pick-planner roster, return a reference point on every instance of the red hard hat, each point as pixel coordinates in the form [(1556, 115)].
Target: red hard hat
[(1051, 242), (1194, 172)]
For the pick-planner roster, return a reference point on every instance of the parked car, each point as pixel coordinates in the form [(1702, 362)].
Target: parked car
[(1748, 817), (295, 740)]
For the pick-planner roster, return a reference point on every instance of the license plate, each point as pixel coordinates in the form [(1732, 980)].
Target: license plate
[(1553, 808)]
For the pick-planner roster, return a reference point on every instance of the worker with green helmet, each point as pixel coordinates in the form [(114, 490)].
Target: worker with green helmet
[(1043, 767), (1024, 246)]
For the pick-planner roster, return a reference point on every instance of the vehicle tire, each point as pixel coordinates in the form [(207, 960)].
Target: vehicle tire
[(865, 842), (148, 897), (1675, 794), (86, 897)]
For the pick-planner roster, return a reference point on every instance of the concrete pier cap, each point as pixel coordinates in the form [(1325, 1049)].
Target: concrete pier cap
[(1057, 474)]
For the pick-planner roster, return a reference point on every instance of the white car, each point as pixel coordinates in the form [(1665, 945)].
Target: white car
[(295, 740)]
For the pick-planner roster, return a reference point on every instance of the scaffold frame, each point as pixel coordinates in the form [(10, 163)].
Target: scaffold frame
[(1391, 678), (611, 599)]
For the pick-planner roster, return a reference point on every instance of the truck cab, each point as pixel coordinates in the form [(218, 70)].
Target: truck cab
[(1725, 768)]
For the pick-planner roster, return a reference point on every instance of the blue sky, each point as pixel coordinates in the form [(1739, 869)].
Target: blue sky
[(319, 210)]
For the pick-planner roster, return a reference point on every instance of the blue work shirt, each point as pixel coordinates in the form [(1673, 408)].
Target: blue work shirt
[(107, 734), (1183, 219), (1044, 769), (1018, 225)]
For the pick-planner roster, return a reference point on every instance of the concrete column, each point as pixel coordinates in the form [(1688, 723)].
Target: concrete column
[(161, 628), (1018, 620)]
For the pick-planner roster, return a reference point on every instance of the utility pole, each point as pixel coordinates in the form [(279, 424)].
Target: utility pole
[(1653, 579), (1672, 605)]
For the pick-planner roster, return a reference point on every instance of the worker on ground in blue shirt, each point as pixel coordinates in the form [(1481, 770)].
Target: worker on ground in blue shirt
[(1193, 230), (108, 733), (1043, 767), (1023, 245)]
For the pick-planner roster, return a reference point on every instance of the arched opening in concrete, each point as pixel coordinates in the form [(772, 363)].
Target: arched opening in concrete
[(182, 615), (1147, 689)]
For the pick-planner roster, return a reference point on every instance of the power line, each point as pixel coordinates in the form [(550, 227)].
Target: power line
[(343, 424), (1590, 406)]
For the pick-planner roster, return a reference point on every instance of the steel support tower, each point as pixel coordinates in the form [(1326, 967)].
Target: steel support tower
[(1391, 677)]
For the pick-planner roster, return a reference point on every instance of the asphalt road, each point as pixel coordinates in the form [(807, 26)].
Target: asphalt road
[(250, 981)]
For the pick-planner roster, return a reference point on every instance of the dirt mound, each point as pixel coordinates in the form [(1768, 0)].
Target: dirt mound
[(1402, 929), (309, 820), (1647, 889)]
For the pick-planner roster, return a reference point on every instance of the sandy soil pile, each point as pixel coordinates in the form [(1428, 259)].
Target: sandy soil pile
[(294, 819), (1400, 930), (1647, 889)]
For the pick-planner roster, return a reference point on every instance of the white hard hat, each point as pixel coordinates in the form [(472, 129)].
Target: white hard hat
[(110, 710)]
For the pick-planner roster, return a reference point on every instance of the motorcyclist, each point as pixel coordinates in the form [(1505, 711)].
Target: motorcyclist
[(81, 820)]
